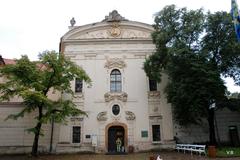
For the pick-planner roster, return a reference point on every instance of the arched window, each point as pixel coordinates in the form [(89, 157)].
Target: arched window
[(115, 81)]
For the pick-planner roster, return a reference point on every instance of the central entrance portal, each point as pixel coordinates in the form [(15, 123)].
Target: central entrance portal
[(116, 139)]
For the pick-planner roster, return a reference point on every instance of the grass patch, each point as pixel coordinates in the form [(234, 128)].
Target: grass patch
[(228, 152)]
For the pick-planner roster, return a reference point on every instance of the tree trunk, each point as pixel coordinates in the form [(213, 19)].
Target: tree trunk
[(212, 137), (36, 138), (37, 133)]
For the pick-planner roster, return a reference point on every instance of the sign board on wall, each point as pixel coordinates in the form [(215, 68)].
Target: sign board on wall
[(94, 140), (144, 134)]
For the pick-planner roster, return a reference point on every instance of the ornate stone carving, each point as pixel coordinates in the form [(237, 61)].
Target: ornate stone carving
[(115, 30), (115, 63), (114, 16), (102, 116), (119, 96), (154, 94), (80, 95), (130, 115), (155, 109), (76, 119)]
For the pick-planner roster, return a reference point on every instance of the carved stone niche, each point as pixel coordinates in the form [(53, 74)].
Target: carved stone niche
[(154, 94), (109, 96), (102, 116), (130, 115), (115, 63)]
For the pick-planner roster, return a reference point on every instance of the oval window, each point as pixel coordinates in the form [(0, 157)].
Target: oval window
[(115, 109)]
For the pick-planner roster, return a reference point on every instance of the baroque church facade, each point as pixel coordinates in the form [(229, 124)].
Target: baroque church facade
[(122, 103)]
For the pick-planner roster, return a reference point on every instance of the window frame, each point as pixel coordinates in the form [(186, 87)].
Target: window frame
[(74, 135), (78, 81), (115, 81), (152, 85), (158, 134)]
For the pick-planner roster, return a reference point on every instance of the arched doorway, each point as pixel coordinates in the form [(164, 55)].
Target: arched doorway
[(116, 134), (116, 139)]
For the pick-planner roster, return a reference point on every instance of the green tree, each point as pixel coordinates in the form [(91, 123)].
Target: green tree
[(34, 80), (194, 49)]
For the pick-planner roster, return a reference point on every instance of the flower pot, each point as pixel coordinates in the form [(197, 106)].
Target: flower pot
[(212, 151), (152, 158)]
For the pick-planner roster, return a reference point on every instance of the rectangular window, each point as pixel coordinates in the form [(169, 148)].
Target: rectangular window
[(156, 135), (78, 85), (152, 85), (76, 134)]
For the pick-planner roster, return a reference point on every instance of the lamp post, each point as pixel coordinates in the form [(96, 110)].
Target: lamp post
[(212, 138)]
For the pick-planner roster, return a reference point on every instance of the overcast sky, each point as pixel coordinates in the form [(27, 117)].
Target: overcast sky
[(32, 26)]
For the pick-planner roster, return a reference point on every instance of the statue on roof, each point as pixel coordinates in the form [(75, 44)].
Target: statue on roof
[(72, 22), (114, 16)]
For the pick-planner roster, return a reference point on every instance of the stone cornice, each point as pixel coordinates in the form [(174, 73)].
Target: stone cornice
[(107, 41)]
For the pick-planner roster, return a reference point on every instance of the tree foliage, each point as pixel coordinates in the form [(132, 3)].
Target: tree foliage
[(34, 80), (194, 49)]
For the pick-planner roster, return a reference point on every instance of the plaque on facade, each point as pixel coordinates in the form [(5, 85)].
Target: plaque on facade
[(144, 134), (94, 140)]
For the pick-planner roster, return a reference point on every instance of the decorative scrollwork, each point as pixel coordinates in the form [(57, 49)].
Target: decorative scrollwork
[(154, 94), (130, 115), (115, 63), (119, 96), (102, 116)]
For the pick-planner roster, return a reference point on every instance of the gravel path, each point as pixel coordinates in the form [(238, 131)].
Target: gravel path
[(136, 156)]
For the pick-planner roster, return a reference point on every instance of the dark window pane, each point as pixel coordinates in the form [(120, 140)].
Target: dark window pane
[(78, 85), (115, 81), (76, 134), (152, 85), (115, 109), (156, 135)]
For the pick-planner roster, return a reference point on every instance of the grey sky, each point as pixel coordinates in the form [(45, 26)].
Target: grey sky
[(32, 26)]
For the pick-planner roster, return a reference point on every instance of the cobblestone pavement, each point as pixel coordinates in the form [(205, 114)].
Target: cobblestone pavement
[(136, 156)]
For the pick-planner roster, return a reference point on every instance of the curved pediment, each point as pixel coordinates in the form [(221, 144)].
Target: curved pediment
[(110, 30)]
